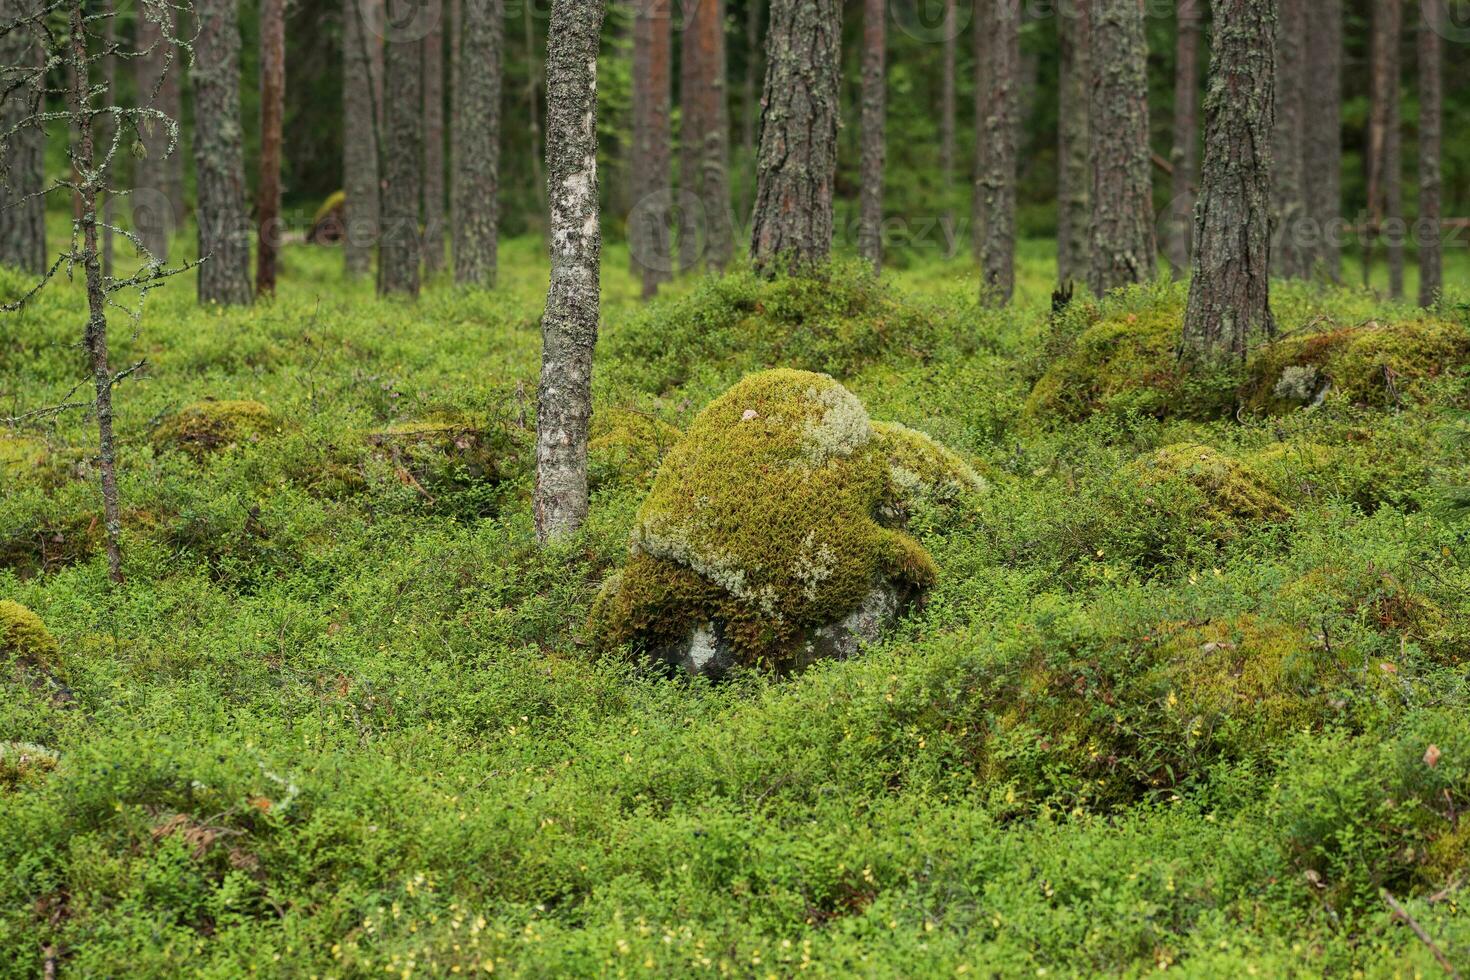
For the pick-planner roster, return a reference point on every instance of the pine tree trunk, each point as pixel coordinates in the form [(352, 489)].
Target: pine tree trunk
[(569, 326), (1322, 132), (1290, 258), (792, 223), (403, 155), (874, 108), (648, 233), (981, 28), (691, 129), (359, 140), (749, 97), (1123, 248), (1179, 221), (1382, 147), (533, 104), (157, 198), (23, 156), (1229, 290), (477, 145), (434, 140), (997, 186), (714, 135), (1393, 178), (219, 157), (95, 339), (1074, 171), (1431, 114), (947, 115), (272, 117)]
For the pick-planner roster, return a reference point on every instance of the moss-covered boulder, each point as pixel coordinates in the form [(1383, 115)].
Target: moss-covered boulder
[(447, 451), (1373, 364), (625, 447), (1197, 482), (922, 470), (210, 426), (768, 537), (25, 641)]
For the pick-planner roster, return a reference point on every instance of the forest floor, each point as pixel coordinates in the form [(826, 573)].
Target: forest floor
[(343, 717)]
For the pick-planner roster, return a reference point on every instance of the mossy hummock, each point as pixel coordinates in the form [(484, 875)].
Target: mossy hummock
[(627, 446), (1222, 490), (208, 426), (446, 448), (765, 522), (25, 641)]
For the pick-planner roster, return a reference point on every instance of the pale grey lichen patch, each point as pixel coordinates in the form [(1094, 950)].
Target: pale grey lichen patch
[(815, 563), (670, 542), (703, 647), (842, 430), (1298, 383)]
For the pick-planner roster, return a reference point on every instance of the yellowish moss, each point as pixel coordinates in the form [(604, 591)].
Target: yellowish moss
[(208, 426), (627, 446), (22, 762), (334, 203), (1226, 492), (922, 468), (762, 519), (24, 639), (21, 457), (1374, 596), (450, 446), (1373, 364)]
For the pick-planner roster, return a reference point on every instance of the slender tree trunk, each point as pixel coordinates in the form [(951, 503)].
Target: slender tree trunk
[(792, 225), (1290, 257), (95, 338), (403, 155), (157, 196), (982, 147), (272, 117), (874, 99), (1322, 131), (714, 136), (569, 326), (477, 148), (997, 186), (751, 117), (1123, 248), (1431, 114), (947, 114), (23, 157), (434, 141), (1179, 221), (1229, 290), (533, 105), (359, 140), (1383, 100), (219, 158), (691, 130), (648, 234), (109, 128), (1074, 171), (1393, 178)]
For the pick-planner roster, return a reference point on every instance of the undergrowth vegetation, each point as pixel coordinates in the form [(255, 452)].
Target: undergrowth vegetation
[(1189, 688)]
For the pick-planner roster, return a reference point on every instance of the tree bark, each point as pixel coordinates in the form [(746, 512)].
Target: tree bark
[(272, 116), (157, 196), (947, 113), (359, 140), (1074, 172), (219, 157), (1382, 147), (1431, 114), (95, 338), (1184, 156), (1229, 290), (1290, 258), (434, 199), (996, 188), (981, 44), (1393, 175), (751, 117), (477, 145), (874, 109), (533, 102), (1123, 248), (1322, 132), (109, 128), (714, 132), (792, 223), (648, 234), (403, 155), (23, 157), (569, 326)]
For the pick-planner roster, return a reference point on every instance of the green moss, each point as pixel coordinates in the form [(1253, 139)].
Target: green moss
[(1215, 487), (334, 203), (22, 762), (626, 446), (1126, 361), (922, 470), (24, 639), (1373, 364), (209, 426), (448, 450), (762, 519)]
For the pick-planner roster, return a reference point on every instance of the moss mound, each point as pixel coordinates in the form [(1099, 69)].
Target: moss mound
[(21, 458), (922, 470), (1125, 360), (1211, 485), (23, 762), (764, 519), (209, 426), (836, 322), (626, 447), (1373, 364), (24, 639), (448, 451)]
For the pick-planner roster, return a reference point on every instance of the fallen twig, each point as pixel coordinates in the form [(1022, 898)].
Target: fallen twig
[(1402, 914)]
